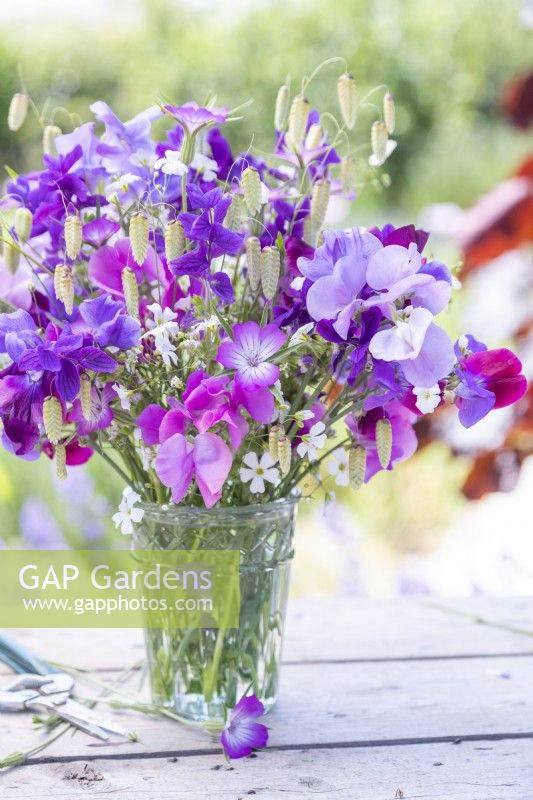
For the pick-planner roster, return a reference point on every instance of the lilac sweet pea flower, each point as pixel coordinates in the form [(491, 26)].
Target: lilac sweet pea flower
[(242, 732), (249, 352), (109, 323), (124, 143), (489, 379), (101, 413), (208, 459), (98, 231)]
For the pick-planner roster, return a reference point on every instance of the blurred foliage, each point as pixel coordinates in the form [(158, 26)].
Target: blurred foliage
[(445, 63)]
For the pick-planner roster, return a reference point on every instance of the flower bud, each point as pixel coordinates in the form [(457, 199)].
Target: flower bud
[(139, 237), (52, 419), (273, 439), (10, 253), (23, 223), (18, 111), (282, 106), (86, 398), (174, 240), (384, 442), (270, 265), (234, 216), (356, 466), (50, 133), (64, 286), (61, 462), (284, 454), (298, 116), (389, 112), (379, 138), (347, 95), (319, 202), (131, 291), (314, 137), (251, 187), (348, 174), (73, 236), (253, 260)]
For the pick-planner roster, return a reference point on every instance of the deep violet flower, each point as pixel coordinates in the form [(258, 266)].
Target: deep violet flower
[(242, 732), (249, 353), (207, 226), (110, 325), (404, 441), (489, 379)]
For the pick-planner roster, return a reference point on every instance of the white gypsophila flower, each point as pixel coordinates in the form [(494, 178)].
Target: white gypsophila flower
[(258, 471), (166, 349), (375, 161), (162, 318), (123, 395), (171, 164), (312, 442), (301, 334), (338, 467), (206, 166), (210, 324), (122, 184), (303, 416), (127, 514), (427, 399)]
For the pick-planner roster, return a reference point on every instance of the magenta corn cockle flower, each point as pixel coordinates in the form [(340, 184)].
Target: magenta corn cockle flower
[(249, 354), (242, 733), (489, 379)]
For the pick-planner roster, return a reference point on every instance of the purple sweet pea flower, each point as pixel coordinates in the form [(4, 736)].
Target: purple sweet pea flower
[(402, 236), (124, 143), (107, 263), (242, 733), (110, 325), (101, 412), (249, 352), (404, 441), (489, 379), (207, 458), (98, 231), (193, 117)]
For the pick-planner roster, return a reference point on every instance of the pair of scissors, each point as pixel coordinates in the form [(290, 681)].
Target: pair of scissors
[(43, 689)]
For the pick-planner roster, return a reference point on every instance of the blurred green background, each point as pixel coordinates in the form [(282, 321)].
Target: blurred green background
[(446, 64)]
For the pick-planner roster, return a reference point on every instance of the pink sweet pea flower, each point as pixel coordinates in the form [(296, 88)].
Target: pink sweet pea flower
[(249, 352), (107, 263), (242, 732)]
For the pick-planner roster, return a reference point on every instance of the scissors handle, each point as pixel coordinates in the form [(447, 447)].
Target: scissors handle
[(22, 660)]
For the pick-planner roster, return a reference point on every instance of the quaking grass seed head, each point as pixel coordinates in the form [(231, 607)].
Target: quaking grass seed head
[(273, 439), (356, 466), (130, 289), (284, 454), (319, 202), (235, 214), (52, 419), (282, 107), (66, 288), (314, 137), (251, 187), (384, 442), (270, 271), (139, 232), (73, 236), (347, 96), (50, 134), (23, 223), (86, 396), (378, 140), (348, 174), (174, 240), (389, 113), (10, 253), (61, 462), (253, 261), (298, 117), (18, 111)]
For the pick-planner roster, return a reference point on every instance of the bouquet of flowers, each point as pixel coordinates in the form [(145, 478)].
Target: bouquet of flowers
[(189, 315)]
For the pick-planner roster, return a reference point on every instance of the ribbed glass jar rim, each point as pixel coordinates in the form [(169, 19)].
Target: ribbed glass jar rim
[(156, 512)]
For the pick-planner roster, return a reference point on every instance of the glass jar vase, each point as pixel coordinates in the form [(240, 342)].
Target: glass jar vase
[(198, 672)]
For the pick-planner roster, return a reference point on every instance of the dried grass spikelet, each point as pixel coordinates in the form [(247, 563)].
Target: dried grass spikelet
[(347, 95), (273, 439), (356, 466), (86, 393), (284, 454), (10, 252), (378, 139), (348, 174), (389, 113), (61, 462), (270, 264), (23, 223), (174, 240), (50, 134), (309, 232), (384, 442), (319, 202), (18, 111), (66, 289), (235, 213), (282, 107), (131, 291), (73, 236), (298, 117), (52, 419), (314, 136), (253, 260), (251, 187), (138, 231)]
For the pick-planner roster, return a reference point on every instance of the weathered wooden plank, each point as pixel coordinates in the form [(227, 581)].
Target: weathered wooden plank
[(344, 702), (469, 771), (333, 629)]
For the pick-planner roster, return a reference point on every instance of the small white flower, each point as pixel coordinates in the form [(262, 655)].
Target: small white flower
[(258, 471), (206, 166), (166, 349), (427, 399), (123, 396), (338, 466), (297, 284), (162, 318), (303, 416), (312, 442), (210, 324), (171, 163), (301, 334), (374, 161), (127, 514)]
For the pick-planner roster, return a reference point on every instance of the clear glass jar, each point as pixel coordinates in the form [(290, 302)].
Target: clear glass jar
[(198, 672)]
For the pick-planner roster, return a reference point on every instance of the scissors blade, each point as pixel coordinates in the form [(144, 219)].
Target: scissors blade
[(80, 716)]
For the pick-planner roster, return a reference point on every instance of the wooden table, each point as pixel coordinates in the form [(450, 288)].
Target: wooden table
[(379, 701)]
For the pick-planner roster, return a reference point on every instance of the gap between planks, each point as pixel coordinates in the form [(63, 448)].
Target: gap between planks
[(354, 745)]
